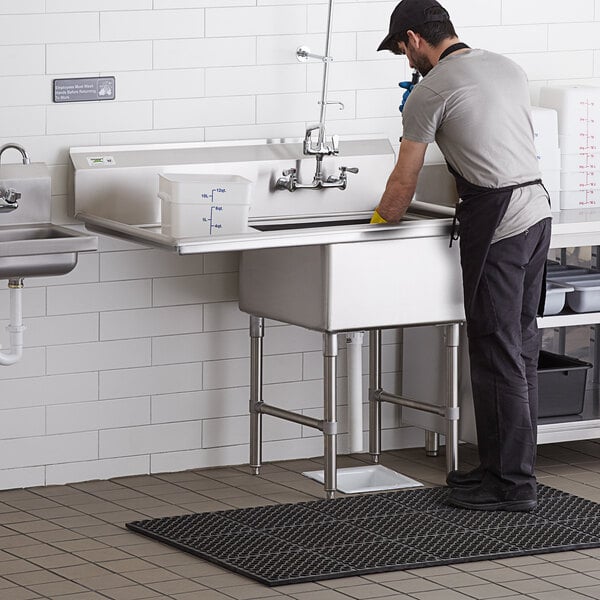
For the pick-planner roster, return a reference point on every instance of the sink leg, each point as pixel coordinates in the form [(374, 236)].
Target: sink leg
[(432, 443), (330, 352), (256, 378), (452, 410), (374, 388)]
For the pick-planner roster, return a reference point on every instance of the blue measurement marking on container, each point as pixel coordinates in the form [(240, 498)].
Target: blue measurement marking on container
[(213, 192), (211, 219)]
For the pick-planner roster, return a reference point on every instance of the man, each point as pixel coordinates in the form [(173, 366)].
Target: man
[(475, 105)]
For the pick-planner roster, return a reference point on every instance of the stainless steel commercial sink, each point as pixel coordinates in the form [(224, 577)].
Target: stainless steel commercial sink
[(361, 285), (309, 258), (40, 249), (30, 245)]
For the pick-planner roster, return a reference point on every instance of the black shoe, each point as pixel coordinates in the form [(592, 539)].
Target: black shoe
[(480, 498), (465, 479)]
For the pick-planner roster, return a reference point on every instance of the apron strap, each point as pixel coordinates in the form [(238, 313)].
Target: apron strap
[(453, 48)]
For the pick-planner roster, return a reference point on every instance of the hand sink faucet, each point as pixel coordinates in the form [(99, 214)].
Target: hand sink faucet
[(9, 196)]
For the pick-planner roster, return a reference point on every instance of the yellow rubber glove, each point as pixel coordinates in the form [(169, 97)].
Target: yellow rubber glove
[(377, 218)]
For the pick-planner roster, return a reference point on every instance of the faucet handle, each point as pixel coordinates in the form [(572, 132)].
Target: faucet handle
[(309, 146), (8, 199), (9, 195), (335, 143), (345, 170), (289, 172), (13, 195)]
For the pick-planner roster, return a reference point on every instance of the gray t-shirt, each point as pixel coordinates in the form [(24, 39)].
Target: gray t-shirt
[(475, 105)]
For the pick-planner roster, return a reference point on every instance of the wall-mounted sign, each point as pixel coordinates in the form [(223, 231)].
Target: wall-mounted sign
[(84, 89)]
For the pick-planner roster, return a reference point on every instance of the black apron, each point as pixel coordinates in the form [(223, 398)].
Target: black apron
[(479, 213)]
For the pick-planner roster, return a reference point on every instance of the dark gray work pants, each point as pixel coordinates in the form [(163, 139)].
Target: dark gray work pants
[(504, 362)]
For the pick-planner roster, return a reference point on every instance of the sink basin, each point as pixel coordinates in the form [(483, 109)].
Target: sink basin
[(40, 249), (415, 213), (354, 286), (308, 225)]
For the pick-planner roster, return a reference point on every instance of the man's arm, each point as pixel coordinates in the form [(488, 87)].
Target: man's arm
[(402, 182)]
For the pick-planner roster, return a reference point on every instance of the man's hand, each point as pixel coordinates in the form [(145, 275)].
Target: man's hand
[(408, 86)]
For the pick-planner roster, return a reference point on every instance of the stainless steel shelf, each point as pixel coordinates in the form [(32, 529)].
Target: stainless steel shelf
[(573, 427), (569, 319)]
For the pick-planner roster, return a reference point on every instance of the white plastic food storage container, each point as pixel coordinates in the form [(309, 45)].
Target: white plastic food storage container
[(578, 144), (195, 205), (580, 161), (589, 198), (584, 179), (545, 126), (577, 107)]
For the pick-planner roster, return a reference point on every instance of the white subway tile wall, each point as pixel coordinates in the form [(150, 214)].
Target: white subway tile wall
[(138, 360)]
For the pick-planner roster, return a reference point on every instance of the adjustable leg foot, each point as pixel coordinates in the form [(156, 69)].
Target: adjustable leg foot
[(432, 443)]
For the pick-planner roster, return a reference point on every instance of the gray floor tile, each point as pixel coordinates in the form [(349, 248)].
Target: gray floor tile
[(58, 588), (366, 591), (18, 594), (254, 591), (485, 591), (132, 592), (592, 591), (176, 586), (104, 582)]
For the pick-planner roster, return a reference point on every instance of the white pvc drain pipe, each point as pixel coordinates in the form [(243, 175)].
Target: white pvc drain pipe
[(15, 327), (354, 340)]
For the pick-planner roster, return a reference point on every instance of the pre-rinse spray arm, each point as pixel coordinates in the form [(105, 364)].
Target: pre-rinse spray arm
[(321, 146)]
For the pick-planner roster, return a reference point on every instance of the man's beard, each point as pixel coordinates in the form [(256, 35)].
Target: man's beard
[(422, 64)]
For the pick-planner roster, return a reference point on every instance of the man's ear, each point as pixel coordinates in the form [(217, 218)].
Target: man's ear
[(415, 38)]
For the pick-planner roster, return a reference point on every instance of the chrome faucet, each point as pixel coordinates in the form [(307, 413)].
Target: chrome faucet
[(8, 199), (322, 147), (290, 182), (22, 150), (9, 196)]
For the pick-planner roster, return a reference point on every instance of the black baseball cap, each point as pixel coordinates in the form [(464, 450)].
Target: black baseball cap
[(409, 14)]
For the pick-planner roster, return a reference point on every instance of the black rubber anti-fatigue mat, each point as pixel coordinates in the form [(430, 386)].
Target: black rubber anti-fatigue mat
[(323, 539)]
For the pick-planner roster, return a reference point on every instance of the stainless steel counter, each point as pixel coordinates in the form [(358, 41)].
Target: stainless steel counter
[(255, 239), (116, 194)]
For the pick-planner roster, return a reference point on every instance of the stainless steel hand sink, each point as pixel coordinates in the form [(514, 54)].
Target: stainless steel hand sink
[(40, 249)]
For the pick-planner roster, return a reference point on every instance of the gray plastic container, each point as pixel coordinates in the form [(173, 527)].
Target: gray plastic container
[(561, 384)]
